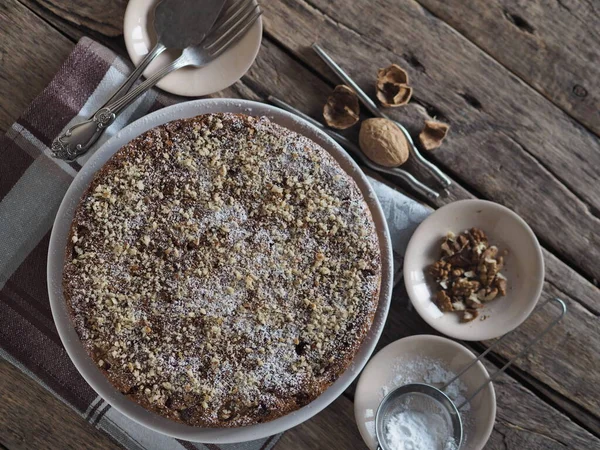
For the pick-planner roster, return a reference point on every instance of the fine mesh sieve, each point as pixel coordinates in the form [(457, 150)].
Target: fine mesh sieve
[(423, 398)]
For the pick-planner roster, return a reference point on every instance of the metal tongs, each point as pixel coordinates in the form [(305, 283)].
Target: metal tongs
[(355, 151)]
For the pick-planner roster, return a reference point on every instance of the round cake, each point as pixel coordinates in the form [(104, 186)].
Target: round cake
[(222, 270)]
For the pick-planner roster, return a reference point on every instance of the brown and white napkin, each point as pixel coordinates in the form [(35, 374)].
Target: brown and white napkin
[(32, 185)]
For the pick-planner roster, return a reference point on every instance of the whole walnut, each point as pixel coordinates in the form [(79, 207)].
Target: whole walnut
[(383, 142)]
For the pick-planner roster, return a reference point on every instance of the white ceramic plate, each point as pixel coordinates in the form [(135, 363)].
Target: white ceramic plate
[(71, 341), (524, 268), (380, 372), (138, 31)]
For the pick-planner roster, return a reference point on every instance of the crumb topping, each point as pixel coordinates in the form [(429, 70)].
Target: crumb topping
[(221, 265)]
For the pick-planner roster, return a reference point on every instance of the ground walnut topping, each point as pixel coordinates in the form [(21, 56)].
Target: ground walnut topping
[(468, 273), (222, 270)]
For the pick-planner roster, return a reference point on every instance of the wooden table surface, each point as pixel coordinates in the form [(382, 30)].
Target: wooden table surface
[(519, 82)]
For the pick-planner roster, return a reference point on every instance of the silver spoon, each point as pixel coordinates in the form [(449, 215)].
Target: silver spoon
[(227, 33), (178, 24), (223, 37)]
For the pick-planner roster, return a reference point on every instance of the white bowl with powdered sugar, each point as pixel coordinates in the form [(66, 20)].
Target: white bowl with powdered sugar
[(432, 360)]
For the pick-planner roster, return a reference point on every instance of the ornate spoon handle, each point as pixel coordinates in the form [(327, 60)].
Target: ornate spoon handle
[(80, 137)]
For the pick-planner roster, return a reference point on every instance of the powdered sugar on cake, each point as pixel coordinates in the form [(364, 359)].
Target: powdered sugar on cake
[(222, 270)]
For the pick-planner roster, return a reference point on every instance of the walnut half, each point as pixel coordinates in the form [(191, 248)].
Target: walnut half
[(341, 110), (433, 134), (392, 86)]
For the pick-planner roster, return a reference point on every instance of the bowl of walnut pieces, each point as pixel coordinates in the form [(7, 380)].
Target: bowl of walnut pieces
[(474, 270)]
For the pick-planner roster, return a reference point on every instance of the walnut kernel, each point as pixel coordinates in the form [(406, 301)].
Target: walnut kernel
[(467, 274)]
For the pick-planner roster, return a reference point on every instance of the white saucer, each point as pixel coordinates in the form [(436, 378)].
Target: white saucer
[(228, 68), (454, 356)]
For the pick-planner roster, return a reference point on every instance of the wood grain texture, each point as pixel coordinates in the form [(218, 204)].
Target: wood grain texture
[(73, 29), (567, 357), (523, 421), (32, 418), (551, 45), (507, 142), (332, 428), (567, 281), (31, 52), (105, 17)]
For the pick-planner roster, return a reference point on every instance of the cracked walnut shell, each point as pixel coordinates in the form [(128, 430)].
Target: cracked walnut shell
[(383, 142), (392, 86), (433, 134), (341, 110)]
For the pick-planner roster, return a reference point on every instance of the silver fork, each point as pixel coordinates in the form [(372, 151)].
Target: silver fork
[(228, 31)]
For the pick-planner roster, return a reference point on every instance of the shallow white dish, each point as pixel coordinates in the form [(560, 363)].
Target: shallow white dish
[(138, 31), (524, 268), (71, 341), (380, 372)]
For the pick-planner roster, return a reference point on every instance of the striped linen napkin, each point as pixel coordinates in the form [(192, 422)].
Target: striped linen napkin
[(32, 185)]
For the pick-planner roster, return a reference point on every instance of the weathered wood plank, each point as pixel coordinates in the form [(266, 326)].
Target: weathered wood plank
[(507, 143), (32, 418), (552, 45), (568, 358), (30, 54), (332, 428), (570, 282), (65, 20), (104, 17), (523, 421)]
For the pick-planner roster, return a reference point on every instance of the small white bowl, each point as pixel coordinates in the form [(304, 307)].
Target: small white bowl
[(138, 31), (454, 356), (524, 268)]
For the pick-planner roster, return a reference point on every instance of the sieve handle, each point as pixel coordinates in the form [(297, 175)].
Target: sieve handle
[(534, 341)]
